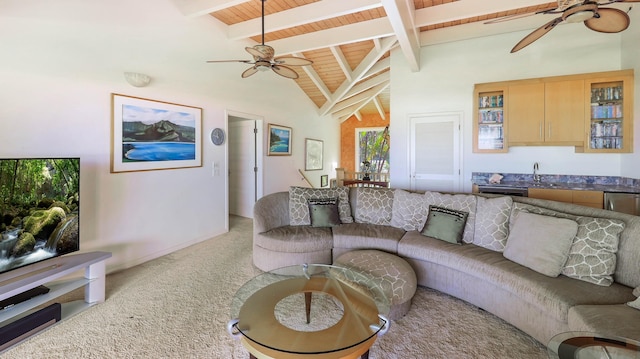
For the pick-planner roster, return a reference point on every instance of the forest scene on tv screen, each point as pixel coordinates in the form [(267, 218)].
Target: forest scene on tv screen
[(39, 209)]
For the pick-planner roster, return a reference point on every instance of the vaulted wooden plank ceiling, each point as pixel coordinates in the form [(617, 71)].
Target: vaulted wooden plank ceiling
[(349, 41)]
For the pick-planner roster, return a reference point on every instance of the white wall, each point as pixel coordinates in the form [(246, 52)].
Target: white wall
[(449, 71), (631, 60), (61, 61)]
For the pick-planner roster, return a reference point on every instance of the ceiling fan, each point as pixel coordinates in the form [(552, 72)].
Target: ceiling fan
[(263, 59), (601, 19)]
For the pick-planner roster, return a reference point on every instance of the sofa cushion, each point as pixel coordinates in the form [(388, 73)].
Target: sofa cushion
[(324, 212), (295, 239), (540, 242), (299, 208), (551, 295), (459, 202), (592, 256), (409, 210), (610, 320), (445, 224), (492, 222), (373, 205), (367, 236)]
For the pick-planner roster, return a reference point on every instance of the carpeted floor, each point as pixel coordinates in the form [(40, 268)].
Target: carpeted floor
[(177, 306)]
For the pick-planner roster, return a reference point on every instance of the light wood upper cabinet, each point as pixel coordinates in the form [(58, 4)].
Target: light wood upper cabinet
[(564, 113), (609, 108), (526, 114), (489, 125), (546, 113), (592, 112)]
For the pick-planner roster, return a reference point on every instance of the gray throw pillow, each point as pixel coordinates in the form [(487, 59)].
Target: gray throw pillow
[(492, 222), (409, 210), (540, 242), (324, 212), (445, 224)]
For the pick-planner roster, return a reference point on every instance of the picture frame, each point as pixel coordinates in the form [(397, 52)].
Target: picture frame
[(324, 180), (279, 140), (313, 154), (154, 135)]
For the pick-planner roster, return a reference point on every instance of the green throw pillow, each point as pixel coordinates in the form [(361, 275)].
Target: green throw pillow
[(445, 224), (324, 212)]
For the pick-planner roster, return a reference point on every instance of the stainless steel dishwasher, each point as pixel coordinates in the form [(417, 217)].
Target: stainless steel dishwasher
[(622, 202)]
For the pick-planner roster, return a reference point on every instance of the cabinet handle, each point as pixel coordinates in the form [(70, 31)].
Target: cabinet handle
[(540, 130)]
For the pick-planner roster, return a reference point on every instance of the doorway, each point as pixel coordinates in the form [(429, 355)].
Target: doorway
[(244, 162), (435, 152)]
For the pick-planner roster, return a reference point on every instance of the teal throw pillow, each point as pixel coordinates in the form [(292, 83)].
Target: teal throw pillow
[(324, 212), (445, 224)]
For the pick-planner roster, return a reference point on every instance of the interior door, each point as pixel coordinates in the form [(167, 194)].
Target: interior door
[(242, 167), (435, 152)]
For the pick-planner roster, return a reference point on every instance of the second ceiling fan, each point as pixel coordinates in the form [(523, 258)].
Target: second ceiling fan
[(601, 19), (263, 59)]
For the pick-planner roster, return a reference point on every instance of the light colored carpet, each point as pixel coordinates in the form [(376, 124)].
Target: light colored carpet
[(177, 306)]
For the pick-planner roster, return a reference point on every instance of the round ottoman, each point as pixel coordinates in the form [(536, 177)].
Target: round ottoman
[(398, 280)]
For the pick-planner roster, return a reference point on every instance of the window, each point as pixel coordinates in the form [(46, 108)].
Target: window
[(372, 145)]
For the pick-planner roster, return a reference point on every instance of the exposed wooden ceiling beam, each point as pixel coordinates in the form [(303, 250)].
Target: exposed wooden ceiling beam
[(363, 98), (317, 11), (380, 108), (347, 34), (342, 61), (401, 16), (364, 66), (193, 8)]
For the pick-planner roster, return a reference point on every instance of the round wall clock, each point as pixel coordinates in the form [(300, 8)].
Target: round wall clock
[(217, 136)]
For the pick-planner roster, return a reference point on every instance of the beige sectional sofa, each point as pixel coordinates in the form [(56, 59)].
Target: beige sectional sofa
[(546, 267)]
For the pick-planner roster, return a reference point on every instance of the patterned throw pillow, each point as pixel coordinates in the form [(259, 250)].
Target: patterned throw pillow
[(459, 202), (409, 210), (592, 256), (492, 222), (373, 205), (299, 207)]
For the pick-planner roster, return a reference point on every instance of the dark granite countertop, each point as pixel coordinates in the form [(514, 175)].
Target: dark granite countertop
[(583, 183)]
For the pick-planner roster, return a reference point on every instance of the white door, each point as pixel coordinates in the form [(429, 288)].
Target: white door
[(435, 152), (244, 185)]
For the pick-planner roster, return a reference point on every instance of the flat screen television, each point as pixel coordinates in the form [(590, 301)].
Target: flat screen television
[(39, 210)]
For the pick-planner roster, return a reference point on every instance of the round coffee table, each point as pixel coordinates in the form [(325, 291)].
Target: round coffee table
[(318, 310), (575, 345)]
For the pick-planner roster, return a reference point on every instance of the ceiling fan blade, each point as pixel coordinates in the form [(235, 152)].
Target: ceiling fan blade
[(285, 72), (608, 20), (243, 61), (250, 71), (536, 34), (292, 61)]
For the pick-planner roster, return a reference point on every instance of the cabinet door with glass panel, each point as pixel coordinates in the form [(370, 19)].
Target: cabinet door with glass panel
[(489, 125), (610, 109)]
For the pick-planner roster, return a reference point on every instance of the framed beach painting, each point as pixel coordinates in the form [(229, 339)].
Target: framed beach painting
[(279, 140), (154, 135), (313, 154)]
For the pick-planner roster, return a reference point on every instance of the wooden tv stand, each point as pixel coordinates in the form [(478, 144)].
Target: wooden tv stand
[(46, 273)]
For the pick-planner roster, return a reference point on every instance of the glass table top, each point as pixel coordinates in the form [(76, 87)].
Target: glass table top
[(586, 345), (310, 309)]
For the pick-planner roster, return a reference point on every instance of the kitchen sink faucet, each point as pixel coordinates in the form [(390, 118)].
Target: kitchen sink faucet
[(536, 176)]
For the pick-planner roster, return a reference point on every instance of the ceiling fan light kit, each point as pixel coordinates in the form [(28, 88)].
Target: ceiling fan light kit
[(263, 59), (589, 12)]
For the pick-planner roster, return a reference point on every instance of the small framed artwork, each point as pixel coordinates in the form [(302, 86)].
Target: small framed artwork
[(313, 154), (324, 180), (279, 140), (154, 135)]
